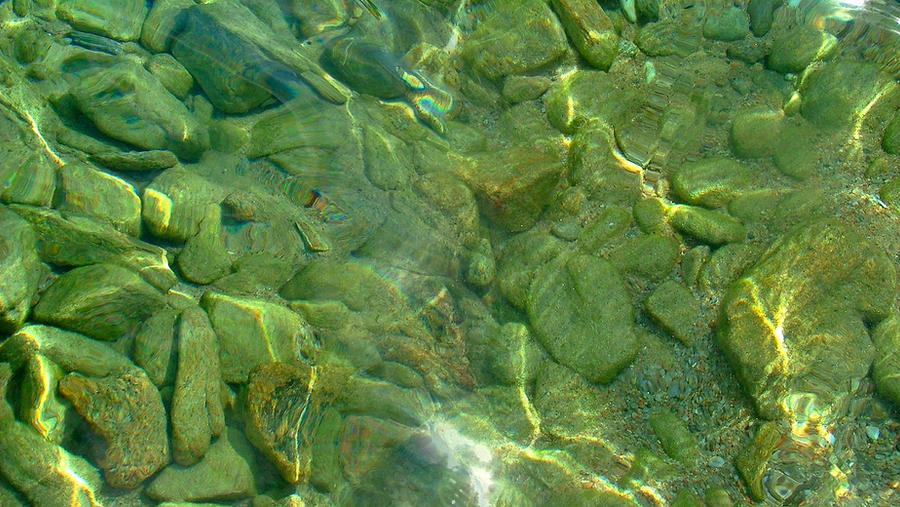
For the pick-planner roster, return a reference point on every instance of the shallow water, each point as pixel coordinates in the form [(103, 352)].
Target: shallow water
[(449, 252)]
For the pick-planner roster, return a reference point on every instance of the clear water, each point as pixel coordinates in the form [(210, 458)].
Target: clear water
[(449, 252)]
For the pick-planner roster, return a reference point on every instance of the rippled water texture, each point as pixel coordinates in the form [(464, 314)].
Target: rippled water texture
[(449, 252)]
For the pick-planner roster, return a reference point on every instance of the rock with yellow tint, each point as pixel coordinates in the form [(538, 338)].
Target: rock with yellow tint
[(590, 30), (253, 331), (794, 326), (102, 196), (175, 202)]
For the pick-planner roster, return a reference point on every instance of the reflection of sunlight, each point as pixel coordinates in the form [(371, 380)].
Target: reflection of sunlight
[(79, 485)]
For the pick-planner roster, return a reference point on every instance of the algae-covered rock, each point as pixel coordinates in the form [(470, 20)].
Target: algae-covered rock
[(891, 140), (512, 186), (584, 95), (71, 351), (751, 462), (675, 308), (27, 174), (607, 227), (708, 226), (154, 346), (886, 369), (520, 258), (126, 411), (756, 134), (840, 89), (515, 37), (117, 19), (102, 196), (224, 474), (890, 193), (594, 164), (196, 411), (668, 38), (40, 403), (793, 326), (761, 14), (253, 332), (648, 256), (728, 24), (205, 257), (676, 439), (161, 23), (589, 29), (710, 182), (796, 155), (129, 104), (353, 283), (20, 270), (581, 311), (521, 88), (171, 74), (104, 301), (794, 49), (650, 216), (176, 201), (567, 403)]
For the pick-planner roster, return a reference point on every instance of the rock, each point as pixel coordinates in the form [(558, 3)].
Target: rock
[(196, 411), (529, 38), (567, 404), (589, 29), (748, 50), (129, 104), (70, 351), (520, 258), (594, 165), (171, 74), (205, 257), (676, 439), (325, 466), (154, 346), (607, 227), (176, 201), (128, 161), (581, 312), (755, 206), (512, 354), (255, 274), (650, 216), (886, 369), (796, 154), (126, 411), (27, 175), (667, 38), (752, 460), (224, 474), (692, 262), (253, 332), (707, 226), (891, 140), (833, 94), (726, 264), (314, 18), (40, 404), (647, 256), (711, 182), (20, 270), (277, 400), (521, 88), (756, 134), (303, 123), (807, 300), (102, 196), (72, 240), (793, 50), (161, 23), (729, 24), (584, 95), (117, 19), (104, 301), (512, 186), (674, 307), (388, 159), (353, 283), (647, 467), (410, 407), (761, 14), (890, 193)]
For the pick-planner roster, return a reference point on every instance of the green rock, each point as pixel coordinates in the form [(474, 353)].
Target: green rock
[(205, 480), (513, 354), (835, 93), (591, 334), (567, 403), (27, 178), (126, 411), (196, 412), (135, 161), (891, 140), (647, 256), (686, 498), (129, 104), (794, 49), (73, 240), (756, 134), (675, 308), (41, 405), (796, 154), (71, 351), (793, 327), (729, 24), (161, 23), (515, 37), (303, 123), (521, 88), (707, 226), (608, 226), (102, 196), (890, 193), (727, 264), (328, 314), (525, 124), (512, 186), (520, 258), (675, 438), (710, 182), (761, 14), (886, 369), (388, 159), (103, 301), (589, 29), (154, 346), (176, 201), (252, 332), (171, 74), (255, 274), (117, 19), (647, 468), (650, 216), (755, 206), (668, 38), (584, 95), (353, 283), (205, 257), (325, 465), (595, 165), (410, 407), (692, 262), (20, 270), (717, 496), (752, 459)]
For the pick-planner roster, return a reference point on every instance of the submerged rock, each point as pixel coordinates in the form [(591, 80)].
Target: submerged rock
[(590, 30), (20, 270), (886, 369), (118, 19)]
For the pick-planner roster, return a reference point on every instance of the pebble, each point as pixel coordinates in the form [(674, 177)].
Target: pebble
[(873, 432), (717, 461)]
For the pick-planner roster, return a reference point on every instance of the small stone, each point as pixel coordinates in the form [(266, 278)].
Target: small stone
[(675, 308), (794, 49), (126, 410), (873, 432), (128, 161), (650, 216), (648, 256), (667, 38), (676, 439), (176, 201), (710, 182), (154, 345), (717, 462), (171, 74), (585, 95), (728, 25), (520, 258), (607, 227), (756, 134), (761, 14), (707, 226), (521, 88)]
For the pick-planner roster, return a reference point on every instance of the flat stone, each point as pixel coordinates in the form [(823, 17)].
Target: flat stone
[(520, 258), (667, 38), (710, 182), (593, 162), (206, 481), (253, 332), (585, 95), (377, 398), (675, 437), (104, 301), (793, 326), (648, 256), (101, 196), (590, 333), (20, 270), (521, 88), (589, 29), (70, 351), (126, 411), (708, 226), (27, 175), (161, 23), (117, 19), (196, 412), (128, 161), (675, 308)]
